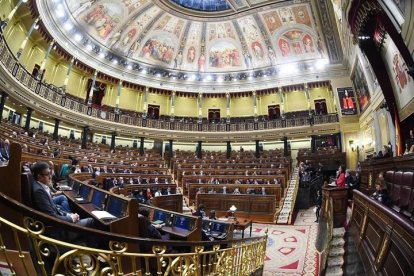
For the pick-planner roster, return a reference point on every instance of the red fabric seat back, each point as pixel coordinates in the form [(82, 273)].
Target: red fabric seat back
[(396, 187), (389, 180), (405, 192)]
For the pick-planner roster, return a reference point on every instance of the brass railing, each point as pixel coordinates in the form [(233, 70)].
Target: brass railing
[(49, 256), (56, 95)]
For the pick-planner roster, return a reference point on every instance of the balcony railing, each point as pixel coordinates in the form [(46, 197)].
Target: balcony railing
[(55, 95), (25, 248)]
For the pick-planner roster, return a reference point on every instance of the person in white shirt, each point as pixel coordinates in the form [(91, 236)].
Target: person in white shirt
[(158, 193)]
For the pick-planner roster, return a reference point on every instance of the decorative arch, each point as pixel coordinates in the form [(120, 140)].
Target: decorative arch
[(297, 43), (160, 47), (224, 54), (102, 18)]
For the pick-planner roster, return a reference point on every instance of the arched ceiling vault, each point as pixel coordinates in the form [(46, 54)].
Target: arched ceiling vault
[(199, 45)]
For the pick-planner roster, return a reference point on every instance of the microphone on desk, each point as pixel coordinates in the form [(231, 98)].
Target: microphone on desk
[(170, 221)]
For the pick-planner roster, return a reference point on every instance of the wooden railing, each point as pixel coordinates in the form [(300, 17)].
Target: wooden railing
[(385, 239), (324, 238)]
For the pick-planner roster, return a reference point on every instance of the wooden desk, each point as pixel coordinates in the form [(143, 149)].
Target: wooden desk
[(240, 224), (126, 225), (212, 226), (259, 208), (194, 223), (340, 204), (176, 231)]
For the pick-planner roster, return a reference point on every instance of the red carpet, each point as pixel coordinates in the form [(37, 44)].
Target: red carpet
[(291, 249)]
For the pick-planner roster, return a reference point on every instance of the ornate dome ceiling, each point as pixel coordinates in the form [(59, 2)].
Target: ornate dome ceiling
[(170, 43)]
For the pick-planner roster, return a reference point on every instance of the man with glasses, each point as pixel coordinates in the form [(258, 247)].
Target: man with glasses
[(42, 198)]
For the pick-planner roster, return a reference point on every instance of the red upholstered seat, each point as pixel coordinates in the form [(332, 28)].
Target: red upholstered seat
[(389, 180), (405, 193), (410, 207), (396, 187)]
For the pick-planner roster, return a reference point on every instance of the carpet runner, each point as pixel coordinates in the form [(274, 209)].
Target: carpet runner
[(290, 248)]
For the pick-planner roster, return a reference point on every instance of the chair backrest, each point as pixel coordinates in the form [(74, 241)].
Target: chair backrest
[(389, 180), (396, 189), (26, 182), (410, 207), (405, 192)]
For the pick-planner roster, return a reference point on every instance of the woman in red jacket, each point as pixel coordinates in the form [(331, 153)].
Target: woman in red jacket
[(340, 180)]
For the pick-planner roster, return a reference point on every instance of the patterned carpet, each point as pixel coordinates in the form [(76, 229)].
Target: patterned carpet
[(291, 249)]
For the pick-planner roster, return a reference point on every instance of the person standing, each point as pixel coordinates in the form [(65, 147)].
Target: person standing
[(318, 204)]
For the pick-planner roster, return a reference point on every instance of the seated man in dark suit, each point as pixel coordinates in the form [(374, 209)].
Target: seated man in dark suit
[(5, 150), (146, 229), (42, 199)]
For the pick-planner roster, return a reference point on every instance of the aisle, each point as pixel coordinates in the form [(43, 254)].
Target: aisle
[(291, 249)]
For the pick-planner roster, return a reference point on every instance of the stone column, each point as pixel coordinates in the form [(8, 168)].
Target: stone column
[(85, 133), (145, 107), (56, 130), (3, 23), (28, 119), (95, 74), (171, 147), (141, 146), (285, 146), (199, 150), (200, 108), (227, 107), (4, 96), (113, 138), (43, 64), (29, 33), (313, 143), (254, 105), (228, 150), (66, 81), (257, 149), (172, 105)]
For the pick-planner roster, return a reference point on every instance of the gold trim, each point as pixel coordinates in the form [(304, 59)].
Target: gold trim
[(384, 248), (240, 258)]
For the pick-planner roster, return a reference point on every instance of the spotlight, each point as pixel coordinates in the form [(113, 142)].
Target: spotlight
[(289, 68), (78, 37), (363, 37), (321, 64)]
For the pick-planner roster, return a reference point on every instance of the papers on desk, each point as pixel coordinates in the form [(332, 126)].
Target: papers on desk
[(64, 188), (158, 222), (81, 200), (103, 215), (223, 219)]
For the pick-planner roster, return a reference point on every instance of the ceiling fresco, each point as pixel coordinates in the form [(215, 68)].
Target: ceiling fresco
[(140, 30), (144, 34)]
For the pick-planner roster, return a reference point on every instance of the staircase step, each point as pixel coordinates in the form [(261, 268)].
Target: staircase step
[(336, 251), (335, 261), (337, 242), (339, 232), (334, 271)]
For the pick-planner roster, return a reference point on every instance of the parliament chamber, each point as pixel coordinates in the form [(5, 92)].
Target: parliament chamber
[(225, 137)]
